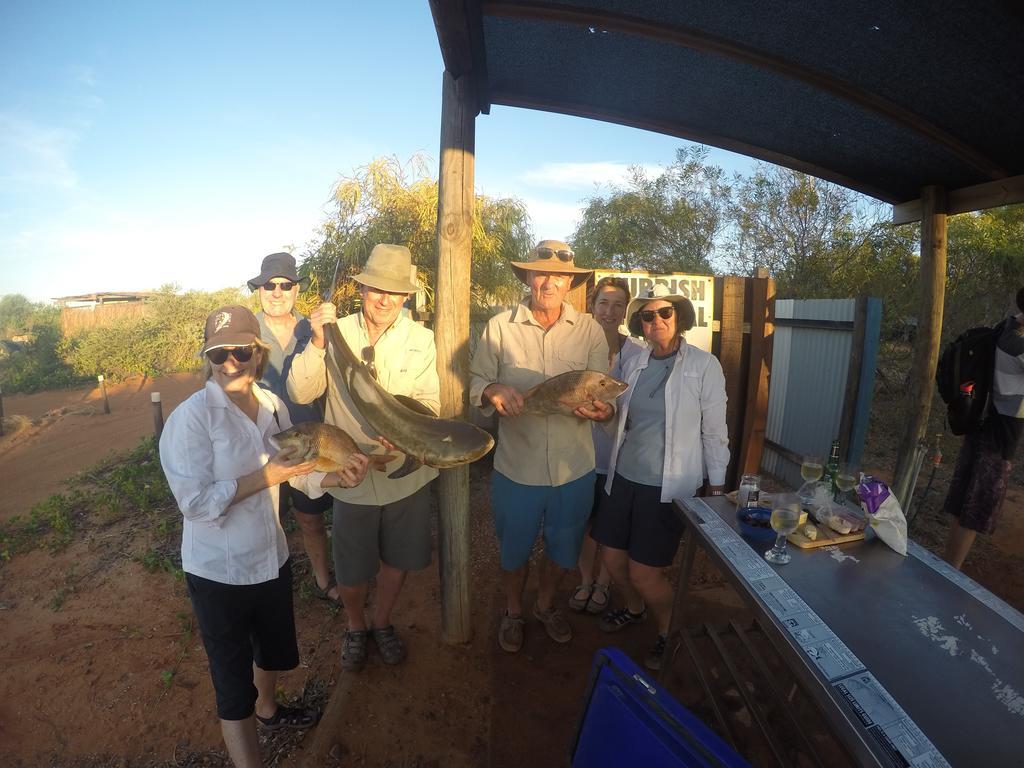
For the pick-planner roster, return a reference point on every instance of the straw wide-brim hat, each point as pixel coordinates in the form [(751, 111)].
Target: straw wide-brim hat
[(684, 309), (278, 265), (389, 268), (544, 257)]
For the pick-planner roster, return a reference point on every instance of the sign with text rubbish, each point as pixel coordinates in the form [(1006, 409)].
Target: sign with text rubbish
[(699, 289)]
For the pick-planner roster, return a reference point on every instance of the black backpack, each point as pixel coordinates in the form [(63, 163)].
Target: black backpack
[(964, 377)]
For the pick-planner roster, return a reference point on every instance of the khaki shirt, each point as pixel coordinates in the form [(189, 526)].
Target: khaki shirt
[(515, 350), (406, 363)]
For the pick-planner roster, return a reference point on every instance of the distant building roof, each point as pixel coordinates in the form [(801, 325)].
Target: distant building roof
[(104, 298)]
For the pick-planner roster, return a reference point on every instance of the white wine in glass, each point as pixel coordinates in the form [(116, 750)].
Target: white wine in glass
[(846, 480), (784, 520), (811, 469)]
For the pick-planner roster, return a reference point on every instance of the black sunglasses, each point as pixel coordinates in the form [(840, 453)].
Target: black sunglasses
[(284, 285), (368, 355), (549, 253), (647, 315), (219, 355)]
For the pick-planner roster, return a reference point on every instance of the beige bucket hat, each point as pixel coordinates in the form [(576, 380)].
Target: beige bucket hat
[(552, 256), (389, 268)]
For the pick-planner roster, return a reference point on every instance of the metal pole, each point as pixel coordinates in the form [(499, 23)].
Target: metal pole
[(103, 389), (158, 415)]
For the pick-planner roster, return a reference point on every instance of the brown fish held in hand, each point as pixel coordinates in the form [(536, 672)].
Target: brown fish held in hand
[(330, 446), (566, 392)]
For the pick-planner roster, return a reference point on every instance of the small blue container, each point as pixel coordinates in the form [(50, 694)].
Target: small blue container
[(762, 532)]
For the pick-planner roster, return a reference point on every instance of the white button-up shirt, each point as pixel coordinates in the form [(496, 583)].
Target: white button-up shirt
[(206, 445), (696, 438)]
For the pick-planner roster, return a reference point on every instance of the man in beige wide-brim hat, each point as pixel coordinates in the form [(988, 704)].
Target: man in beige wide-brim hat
[(382, 527), (543, 476)]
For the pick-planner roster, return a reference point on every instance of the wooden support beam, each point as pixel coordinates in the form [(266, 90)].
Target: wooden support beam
[(455, 201), (762, 334), (731, 357), (926, 344), (853, 374), (991, 194)]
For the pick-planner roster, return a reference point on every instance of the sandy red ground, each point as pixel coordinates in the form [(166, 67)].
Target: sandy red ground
[(87, 634)]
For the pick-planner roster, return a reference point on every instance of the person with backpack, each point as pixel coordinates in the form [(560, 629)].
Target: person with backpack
[(982, 472)]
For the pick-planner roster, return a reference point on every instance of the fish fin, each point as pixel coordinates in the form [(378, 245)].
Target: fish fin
[(530, 391), (409, 466), (415, 405), (446, 439)]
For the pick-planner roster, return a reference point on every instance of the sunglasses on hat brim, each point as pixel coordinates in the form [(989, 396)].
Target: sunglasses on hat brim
[(562, 254), (219, 355)]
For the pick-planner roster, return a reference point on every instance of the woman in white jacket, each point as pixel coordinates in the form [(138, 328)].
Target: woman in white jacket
[(669, 434)]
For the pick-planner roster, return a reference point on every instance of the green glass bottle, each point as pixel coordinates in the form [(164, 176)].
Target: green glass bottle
[(832, 469)]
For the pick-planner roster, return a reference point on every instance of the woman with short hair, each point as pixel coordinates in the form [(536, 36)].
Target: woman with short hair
[(669, 427), (224, 473)]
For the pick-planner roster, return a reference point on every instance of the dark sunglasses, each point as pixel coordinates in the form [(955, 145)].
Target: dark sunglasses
[(546, 253), (647, 315), (368, 355), (284, 285), (219, 355)]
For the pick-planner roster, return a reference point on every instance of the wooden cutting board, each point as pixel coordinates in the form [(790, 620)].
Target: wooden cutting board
[(826, 537)]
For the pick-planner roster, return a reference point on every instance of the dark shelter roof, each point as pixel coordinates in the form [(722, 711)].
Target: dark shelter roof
[(883, 96)]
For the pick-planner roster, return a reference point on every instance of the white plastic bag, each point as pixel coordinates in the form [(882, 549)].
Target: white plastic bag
[(884, 513)]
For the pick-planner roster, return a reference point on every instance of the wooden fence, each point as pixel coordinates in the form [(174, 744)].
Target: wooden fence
[(76, 319)]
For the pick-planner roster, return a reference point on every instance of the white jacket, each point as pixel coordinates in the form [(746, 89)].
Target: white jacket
[(696, 438)]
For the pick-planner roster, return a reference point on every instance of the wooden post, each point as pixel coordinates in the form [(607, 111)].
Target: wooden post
[(921, 377), (853, 375), (731, 357), (1, 411), (455, 199), (103, 389), (762, 336), (158, 415)]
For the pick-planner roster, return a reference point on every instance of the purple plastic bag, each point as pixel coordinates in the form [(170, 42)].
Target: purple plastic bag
[(872, 492)]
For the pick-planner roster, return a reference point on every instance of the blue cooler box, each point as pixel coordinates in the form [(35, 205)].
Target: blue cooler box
[(628, 719)]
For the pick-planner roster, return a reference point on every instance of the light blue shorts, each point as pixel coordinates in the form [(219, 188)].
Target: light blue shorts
[(559, 513)]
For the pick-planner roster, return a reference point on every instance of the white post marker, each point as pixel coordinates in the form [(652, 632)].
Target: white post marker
[(103, 389), (158, 414)]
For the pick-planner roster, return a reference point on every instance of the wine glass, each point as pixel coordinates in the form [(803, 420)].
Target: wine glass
[(845, 480), (811, 469), (785, 518)]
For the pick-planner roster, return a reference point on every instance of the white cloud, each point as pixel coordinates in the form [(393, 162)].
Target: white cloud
[(35, 155), (584, 176), (83, 74), (551, 219)]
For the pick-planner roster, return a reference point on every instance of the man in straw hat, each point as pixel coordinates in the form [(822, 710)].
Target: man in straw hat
[(381, 528), (544, 465), (286, 333)]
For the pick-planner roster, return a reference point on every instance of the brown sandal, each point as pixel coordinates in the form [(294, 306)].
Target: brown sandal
[(596, 605), (578, 603)]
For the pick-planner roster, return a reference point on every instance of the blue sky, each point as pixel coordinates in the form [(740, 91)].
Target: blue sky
[(144, 144)]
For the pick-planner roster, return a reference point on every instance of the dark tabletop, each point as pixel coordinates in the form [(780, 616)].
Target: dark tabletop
[(952, 663)]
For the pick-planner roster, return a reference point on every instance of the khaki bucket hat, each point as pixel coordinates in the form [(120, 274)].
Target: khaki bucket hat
[(389, 268), (552, 256), (685, 312)]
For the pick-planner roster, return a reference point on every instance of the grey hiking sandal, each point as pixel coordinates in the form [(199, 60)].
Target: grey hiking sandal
[(353, 649), (390, 645)]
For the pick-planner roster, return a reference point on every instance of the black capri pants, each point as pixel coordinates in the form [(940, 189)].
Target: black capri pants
[(242, 624)]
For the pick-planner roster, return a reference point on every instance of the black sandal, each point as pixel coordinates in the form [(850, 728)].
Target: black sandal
[(325, 593), (290, 717)]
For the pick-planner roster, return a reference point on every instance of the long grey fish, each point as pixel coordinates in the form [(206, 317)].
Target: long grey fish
[(409, 426), (567, 391)]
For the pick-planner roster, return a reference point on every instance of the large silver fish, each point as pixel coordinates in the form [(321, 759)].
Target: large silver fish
[(331, 446), (409, 426), (566, 392)]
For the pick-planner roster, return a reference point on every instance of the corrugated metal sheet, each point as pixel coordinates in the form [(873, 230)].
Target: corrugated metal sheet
[(808, 383)]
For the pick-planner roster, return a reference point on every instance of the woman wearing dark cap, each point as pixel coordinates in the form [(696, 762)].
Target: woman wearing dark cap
[(982, 472), (670, 426), (224, 474)]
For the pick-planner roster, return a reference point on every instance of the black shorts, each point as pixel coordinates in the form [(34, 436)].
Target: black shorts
[(634, 518), (242, 624), (599, 480), (300, 502)]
